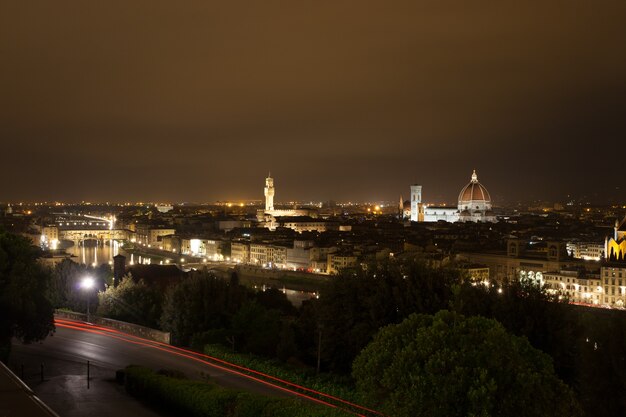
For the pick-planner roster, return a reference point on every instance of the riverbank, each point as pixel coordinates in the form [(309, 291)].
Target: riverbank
[(281, 278)]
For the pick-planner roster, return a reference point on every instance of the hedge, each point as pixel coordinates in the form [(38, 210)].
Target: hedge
[(206, 399), (326, 383)]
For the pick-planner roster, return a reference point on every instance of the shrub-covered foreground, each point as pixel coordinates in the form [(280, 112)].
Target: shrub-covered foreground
[(327, 383), (205, 399)]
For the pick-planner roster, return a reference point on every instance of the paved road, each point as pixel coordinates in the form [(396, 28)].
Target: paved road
[(113, 351), (65, 356)]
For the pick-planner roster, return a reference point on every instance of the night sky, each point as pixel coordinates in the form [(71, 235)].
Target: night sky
[(344, 100)]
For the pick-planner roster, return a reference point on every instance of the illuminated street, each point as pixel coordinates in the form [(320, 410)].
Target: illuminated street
[(65, 357)]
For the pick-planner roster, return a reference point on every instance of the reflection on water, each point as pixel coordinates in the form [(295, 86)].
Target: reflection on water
[(95, 255), (142, 260), (92, 254), (297, 297)]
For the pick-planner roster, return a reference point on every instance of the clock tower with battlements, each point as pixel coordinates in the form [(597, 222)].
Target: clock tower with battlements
[(269, 193)]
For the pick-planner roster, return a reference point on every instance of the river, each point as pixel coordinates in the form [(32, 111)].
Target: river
[(93, 255)]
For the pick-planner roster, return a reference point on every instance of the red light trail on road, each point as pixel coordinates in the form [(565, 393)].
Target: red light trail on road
[(189, 354)]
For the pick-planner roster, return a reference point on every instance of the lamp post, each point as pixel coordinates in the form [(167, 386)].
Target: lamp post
[(319, 346), (87, 284)]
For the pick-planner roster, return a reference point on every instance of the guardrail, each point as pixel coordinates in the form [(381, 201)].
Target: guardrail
[(17, 399), (134, 329)]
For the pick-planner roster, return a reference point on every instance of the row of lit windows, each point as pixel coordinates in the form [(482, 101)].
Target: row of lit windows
[(572, 280), (571, 287), (613, 301)]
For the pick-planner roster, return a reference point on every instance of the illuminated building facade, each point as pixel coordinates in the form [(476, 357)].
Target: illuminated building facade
[(269, 193), (615, 247), (339, 261), (150, 235), (417, 208), (613, 275), (164, 208), (50, 237), (524, 260), (268, 255), (269, 214), (613, 271), (589, 251), (577, 284), (240, 252), (477, 273), (209, 248), (474, 205), (307, 224)]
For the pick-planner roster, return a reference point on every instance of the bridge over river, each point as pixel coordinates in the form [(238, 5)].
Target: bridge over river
[(101, 235)]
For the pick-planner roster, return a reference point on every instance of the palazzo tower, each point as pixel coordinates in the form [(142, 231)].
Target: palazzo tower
[(269, 193)]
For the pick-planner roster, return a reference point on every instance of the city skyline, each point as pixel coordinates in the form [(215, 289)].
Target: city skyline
[(450, 200), (349, 101), (310, 208)]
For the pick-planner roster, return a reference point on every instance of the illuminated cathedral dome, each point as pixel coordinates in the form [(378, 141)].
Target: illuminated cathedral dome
[(474, 196), (474, 206)]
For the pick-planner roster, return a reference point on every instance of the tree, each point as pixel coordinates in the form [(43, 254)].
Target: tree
[(525, 309), (257, 329), (275, 299), (25, 311), (359, 301), (65, 290), (449, 365), (200, 303), (601, 378), (133, 302)]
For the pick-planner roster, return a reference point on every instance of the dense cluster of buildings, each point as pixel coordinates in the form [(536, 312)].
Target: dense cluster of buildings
[(574, 251)]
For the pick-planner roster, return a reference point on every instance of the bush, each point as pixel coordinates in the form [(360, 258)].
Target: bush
[(341, 387), (132, 302), (202, 399), (209, 337)]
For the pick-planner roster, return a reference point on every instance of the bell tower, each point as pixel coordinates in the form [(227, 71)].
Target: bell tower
[(417, 212), (269, 193)]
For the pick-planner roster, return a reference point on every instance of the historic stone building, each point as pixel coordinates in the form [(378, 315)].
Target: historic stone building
[(615, 247), (613, 270), (270, 213), (474, 205)]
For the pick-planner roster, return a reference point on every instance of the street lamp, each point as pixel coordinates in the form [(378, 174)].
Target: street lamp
[(87, 284), (320, 327)]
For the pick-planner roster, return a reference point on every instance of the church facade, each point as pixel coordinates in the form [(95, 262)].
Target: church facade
[(615, 247), (474, 205)]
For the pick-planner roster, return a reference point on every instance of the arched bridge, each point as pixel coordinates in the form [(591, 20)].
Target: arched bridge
[(79, 235)]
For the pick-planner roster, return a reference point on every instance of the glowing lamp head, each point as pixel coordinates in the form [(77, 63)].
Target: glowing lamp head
[(87, 283)]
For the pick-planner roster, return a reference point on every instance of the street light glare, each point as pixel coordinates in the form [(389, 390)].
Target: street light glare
[(87, 283)]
